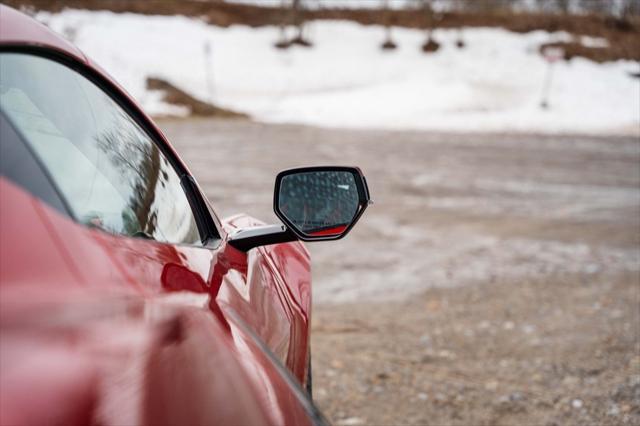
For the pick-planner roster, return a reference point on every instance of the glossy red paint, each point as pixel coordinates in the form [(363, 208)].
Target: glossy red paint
[(18, 29), (98, 328), (336, 230)]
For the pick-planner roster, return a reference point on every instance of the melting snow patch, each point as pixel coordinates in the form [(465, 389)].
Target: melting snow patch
[(345, 80)]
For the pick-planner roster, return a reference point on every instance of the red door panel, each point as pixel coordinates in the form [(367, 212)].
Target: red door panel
[(118, 329), (278, 298)]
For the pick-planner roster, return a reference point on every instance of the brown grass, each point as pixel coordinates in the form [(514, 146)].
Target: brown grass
[(623, 36), (597, 54), (175, 96)]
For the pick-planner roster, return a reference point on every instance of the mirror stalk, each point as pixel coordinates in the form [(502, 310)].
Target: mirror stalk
[(246, 239)]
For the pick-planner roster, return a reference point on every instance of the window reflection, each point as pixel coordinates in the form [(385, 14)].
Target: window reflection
[(319, 203), (110, 172)]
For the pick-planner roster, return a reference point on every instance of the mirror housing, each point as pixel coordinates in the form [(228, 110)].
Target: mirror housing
[(315, 203)]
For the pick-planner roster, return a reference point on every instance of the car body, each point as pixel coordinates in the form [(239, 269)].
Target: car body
[(98, 327)]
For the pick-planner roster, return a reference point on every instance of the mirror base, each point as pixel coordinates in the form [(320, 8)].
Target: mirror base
[(248, 238)]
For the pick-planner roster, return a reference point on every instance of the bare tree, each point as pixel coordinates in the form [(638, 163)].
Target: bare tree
[(458, 6), (295, 18), (563, 6), (599, 7), (488, 5), (299, 24), (282, 42), (388, 43), (431, 20), (630, 8), (460, 44)]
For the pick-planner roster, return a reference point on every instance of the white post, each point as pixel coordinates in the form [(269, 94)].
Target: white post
[(208, 70)]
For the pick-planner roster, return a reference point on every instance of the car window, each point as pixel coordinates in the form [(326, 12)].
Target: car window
[(110, 172), (18, 165)]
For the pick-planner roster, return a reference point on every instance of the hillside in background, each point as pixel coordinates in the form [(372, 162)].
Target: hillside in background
[(336, 73), (621, 31)]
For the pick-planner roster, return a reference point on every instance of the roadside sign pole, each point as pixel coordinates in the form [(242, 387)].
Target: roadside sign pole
[(208, 69), (544, 103), (551, 55)]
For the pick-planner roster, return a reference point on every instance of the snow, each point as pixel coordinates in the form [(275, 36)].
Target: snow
[(345, 80)]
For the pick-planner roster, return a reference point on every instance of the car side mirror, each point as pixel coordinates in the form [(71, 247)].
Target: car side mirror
[(314, 203), (320, 203)]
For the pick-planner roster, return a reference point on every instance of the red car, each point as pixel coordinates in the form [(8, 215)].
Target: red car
[(123, 298)]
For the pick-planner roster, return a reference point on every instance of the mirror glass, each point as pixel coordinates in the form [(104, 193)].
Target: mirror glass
[(320, 203)]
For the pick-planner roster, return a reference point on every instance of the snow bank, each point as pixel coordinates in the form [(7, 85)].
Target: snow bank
[(345, 80)]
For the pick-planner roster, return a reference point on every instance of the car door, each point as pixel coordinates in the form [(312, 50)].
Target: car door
[(142, 213)]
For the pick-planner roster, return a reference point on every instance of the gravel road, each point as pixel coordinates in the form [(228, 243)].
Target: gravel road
[(496, 279)]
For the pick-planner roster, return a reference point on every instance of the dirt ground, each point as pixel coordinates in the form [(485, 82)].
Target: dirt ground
[(496, 279)]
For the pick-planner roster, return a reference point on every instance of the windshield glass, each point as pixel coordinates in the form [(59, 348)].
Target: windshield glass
[(107, 168)]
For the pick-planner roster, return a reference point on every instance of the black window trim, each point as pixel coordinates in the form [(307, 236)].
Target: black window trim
[(210, 234)]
